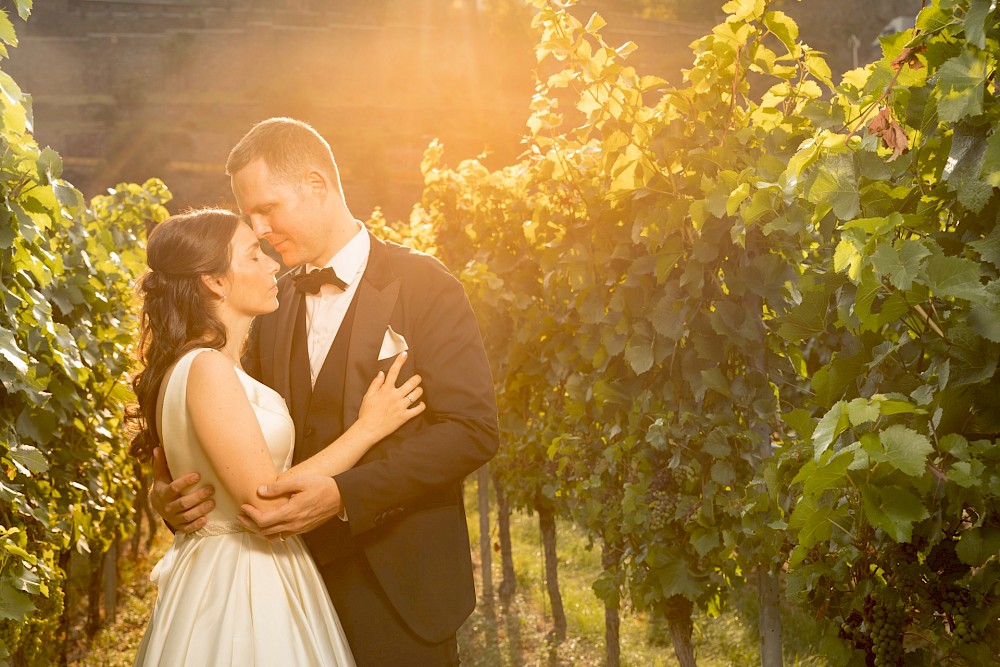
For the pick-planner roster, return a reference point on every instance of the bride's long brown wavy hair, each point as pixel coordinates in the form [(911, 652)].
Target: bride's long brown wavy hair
[(178, 309)]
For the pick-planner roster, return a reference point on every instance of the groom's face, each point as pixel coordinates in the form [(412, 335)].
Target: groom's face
[(283, 210)]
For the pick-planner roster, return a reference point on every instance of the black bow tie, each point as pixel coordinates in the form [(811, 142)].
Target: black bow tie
[(311, 282)]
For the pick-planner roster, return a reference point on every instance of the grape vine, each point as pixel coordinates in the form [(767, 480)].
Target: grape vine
[(750, 322), (65, 332)]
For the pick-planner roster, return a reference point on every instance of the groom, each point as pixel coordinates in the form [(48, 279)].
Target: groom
[(389, 535)]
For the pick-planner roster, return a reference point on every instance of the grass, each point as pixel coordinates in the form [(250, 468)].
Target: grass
[(725, 641), (720, 642), (516, 636), (115, 644)]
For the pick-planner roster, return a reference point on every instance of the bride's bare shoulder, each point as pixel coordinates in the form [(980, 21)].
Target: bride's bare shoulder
[(212, 376), (210, 366)]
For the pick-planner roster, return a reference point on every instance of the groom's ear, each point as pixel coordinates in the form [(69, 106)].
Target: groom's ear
[(317, 183)]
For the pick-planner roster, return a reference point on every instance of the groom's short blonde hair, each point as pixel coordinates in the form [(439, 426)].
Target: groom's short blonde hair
[(290, 148)]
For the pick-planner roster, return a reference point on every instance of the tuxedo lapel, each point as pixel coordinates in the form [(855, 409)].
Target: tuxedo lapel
[(290, 300), (376, 299)]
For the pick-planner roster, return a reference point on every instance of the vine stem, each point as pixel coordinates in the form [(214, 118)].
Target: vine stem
[(928, 320), (732, 93), (874, 105)]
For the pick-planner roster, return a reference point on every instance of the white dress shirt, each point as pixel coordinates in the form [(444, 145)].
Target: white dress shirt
[(326, 309)]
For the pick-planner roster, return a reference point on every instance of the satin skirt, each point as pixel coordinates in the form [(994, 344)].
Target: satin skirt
[(230, 597)]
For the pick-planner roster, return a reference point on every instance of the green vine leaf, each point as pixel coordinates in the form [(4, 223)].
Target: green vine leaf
[(984, 318), (900, 263), (954, 277), (639, 354), (961, 83), (862, 411), (967, 474), (784, 28), (741, 10), (808, 319), (28, 460), (828, 473), (902, 448), (7, 34), (894, 510), (833, 423), (14, 605), (836, 184), (14, 356), (990, 171), (814, 524), (24, 8), (975, 21), (978, 545)]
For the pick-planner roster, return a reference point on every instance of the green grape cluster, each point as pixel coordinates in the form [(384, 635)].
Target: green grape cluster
[(669, 485), (662, 509), (886, 620), (10, 637), (955, 601), (686, 476)]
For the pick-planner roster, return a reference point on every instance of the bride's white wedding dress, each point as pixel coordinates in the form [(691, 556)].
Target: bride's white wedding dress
[(227, 596)]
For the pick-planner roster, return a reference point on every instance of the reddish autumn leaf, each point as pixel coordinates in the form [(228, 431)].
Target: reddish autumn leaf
[(908, 56), (896, 139), (880, 123), (891, 133)]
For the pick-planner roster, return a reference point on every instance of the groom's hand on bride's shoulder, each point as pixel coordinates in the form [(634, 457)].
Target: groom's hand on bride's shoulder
[(179, 502), (312, 501)]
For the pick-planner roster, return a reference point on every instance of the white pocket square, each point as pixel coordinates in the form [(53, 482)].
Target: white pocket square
[(392, 344)]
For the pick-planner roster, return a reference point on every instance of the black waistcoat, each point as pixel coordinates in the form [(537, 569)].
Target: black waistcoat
[(319, 416)]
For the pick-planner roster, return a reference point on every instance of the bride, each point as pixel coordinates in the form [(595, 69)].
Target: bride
[(227, 596)]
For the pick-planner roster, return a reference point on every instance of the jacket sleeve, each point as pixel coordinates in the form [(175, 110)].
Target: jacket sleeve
[(460, 431)]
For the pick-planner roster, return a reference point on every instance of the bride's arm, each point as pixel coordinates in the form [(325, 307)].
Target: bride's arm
[(227, 428), (384, 409)]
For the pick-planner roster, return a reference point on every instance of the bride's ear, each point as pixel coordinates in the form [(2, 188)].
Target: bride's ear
[(216, 285)]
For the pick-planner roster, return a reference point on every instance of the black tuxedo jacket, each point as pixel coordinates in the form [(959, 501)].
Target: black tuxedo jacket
[(403, 499)]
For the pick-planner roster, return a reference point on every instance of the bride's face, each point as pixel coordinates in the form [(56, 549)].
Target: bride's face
[(252, 275)]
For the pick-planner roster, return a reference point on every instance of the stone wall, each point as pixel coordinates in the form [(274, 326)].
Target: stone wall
[(127, 90)]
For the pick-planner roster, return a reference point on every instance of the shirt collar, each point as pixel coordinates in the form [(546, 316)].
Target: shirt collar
[(351, 259)]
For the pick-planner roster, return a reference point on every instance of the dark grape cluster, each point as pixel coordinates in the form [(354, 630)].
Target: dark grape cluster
[(852, 632), (907, 574), (886, 618)]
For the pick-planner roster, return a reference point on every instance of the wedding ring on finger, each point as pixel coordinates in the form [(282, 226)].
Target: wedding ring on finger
[(409, 399)]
